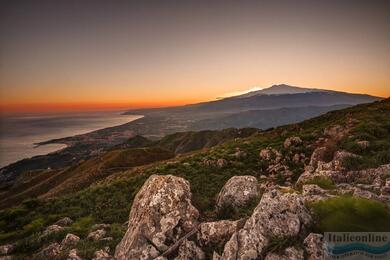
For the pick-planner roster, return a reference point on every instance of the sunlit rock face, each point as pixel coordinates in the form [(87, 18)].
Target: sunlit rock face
[(238, 191), (161, 214), (277, 215)]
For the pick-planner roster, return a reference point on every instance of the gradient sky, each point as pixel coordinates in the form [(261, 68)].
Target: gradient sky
[(106, 54)]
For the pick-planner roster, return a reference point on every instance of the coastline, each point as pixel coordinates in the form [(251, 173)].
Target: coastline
[(29, 148)]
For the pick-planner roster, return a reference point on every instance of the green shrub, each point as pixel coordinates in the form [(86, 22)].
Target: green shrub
[(343, 214), (86, 248), (35, 225), (82, 225), (226, 211), (323, 182), (354, 163)]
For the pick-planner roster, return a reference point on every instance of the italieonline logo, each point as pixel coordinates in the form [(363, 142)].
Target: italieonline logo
[(357, 245)]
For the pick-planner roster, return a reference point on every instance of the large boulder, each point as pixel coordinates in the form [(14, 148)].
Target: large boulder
[(161, 214), (319, 154), (277, 215), (238, 191)]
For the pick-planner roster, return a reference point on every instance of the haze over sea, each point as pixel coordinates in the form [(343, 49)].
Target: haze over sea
[(18, 133)]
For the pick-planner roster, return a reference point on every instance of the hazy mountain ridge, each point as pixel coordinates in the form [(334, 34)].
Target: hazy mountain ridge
[(287, 97), (235, 112)]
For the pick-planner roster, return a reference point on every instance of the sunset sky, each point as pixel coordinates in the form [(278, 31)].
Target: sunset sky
[(58, 55)]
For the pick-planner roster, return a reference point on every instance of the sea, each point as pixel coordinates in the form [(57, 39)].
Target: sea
[(20, 133)]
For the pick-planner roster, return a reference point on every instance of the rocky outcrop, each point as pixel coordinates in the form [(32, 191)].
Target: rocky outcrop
[(73, 255), (319, 154), (103, 254), (363, 144), (69, 241), (66, 221), (312, 192), (277, 215), (292, 141), (290, 253), (238, 191), (100, 226), (96, 235), (161, 214), (217, 232), (52, 229), (333, 169), (336, 132), (221, 163), (271, 155), (313, 244), (189, 250), (50, 252)]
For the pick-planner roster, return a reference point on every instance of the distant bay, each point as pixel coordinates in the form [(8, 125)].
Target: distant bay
[(19, 133)]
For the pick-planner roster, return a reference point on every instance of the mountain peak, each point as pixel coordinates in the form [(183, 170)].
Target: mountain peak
[(280, 89)]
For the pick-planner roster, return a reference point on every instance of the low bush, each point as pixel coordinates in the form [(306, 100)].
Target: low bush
[(323, 182), (343, 214)]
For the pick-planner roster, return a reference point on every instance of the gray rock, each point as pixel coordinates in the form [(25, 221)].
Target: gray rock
[(100, 226), (238, 191), (50, 251), (336, 132), (52, 229), (313, 244), (73, 255), (96, 235), (216, 232), (271, 155), (103, 254), (66, 221), (292, 141), (363, 144), (70, 241), (312, 192), (161, 214), (221, 163), (278, 214), (239, 153), (189, 250), (319, 154)]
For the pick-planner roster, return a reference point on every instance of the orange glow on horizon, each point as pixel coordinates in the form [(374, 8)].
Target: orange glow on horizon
[(87, 106)]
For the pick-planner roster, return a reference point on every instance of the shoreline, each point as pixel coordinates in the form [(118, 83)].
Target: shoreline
[(33, 149)]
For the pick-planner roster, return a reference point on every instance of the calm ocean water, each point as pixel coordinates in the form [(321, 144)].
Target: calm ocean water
[(19, 133)]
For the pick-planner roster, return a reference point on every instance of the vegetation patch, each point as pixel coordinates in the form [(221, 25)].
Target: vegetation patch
[(350, 214), (323, 182), (278, 244)]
